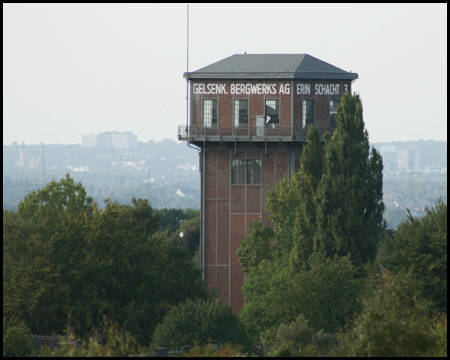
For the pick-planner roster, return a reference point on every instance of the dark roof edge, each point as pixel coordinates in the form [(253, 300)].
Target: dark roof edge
[(262, 76)]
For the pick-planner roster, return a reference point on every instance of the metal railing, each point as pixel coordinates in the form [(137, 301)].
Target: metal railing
[(251, 131)]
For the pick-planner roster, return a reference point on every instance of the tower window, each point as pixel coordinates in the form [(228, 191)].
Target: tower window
[(210, 113), (241, 113), (247, 171), (308, 113), (273, 113), (253, 172), (333, 111)]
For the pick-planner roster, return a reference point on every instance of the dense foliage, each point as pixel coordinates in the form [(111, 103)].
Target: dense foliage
[(419, 247), (313, 284), (350, 193), (394, 323), (327, 223), (68, 263), (199, 322)]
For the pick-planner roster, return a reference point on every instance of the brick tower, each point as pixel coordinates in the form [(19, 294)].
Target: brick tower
[(249, 115)]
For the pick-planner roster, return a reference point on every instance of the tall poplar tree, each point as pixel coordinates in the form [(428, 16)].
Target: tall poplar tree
[(350, 194), (327, 222)]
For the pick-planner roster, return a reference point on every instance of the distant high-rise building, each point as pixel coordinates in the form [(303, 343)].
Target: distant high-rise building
[(110, 139), (406, 159), (90, 140)]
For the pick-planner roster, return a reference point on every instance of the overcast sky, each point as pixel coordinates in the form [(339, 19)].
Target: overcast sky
[(73, 69)]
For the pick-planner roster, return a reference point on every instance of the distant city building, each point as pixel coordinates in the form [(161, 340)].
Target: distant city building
[(21, 161), (90, 140), (408, 160), (389, 154), (110, 139)]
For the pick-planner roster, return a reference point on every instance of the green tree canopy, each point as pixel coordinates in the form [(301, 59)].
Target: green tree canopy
[(419, 247), (393, 323), (327, 223), (332, 209), (67, 262), (350, 204), (200, 322), (325, 295)]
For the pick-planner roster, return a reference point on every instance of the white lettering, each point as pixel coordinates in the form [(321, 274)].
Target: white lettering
[(247, 89), (327, 89), (207, 89), (303, 89), (287, 89)]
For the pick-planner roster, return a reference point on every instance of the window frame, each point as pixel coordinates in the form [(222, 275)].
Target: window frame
[(245, 167), (213, 121), (256, 178), (266, 113), (237, 113), (305, 122), (333, 113)]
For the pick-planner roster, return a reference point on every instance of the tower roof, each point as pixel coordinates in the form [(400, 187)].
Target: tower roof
[(274, 66)]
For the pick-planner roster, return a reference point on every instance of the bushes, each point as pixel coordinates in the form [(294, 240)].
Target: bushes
[(298, 339), (326, 295), (198, 321), (419, 246), (17, 339), (394, 322)]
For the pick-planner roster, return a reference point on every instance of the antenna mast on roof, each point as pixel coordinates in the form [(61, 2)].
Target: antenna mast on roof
[(187, 70)]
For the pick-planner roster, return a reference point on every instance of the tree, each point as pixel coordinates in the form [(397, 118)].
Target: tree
[(393, 323), (256, 246), (42, 272), (419, 247), (292, 203), (200, 322), (191, 235), (299, 339), (17, 340), (270, 298), (67, 262), (325, 295), (327, 223), (333, 210), (350, 198), (57, 198)]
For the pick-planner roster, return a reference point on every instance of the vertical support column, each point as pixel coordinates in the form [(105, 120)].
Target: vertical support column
[(202, 230)]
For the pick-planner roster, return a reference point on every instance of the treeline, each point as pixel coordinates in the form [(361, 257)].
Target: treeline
[(326, 278), (69, 265)]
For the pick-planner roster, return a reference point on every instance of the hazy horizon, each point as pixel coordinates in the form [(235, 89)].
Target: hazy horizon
[(181, 142), (74, 69)]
